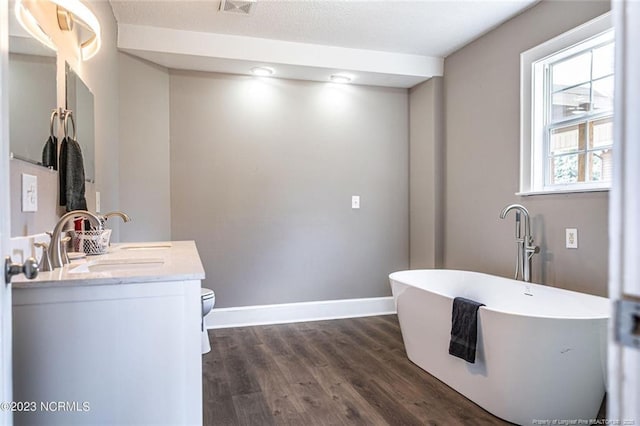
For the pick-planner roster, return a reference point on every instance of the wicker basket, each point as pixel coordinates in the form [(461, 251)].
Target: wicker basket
[(91, 242)]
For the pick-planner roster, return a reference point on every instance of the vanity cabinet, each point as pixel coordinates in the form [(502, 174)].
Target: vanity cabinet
[(110, 349)]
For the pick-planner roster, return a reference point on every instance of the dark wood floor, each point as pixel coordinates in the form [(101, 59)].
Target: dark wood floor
[(351, 371)]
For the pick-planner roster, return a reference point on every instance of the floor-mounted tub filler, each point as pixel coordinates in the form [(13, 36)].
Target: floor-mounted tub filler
[(540, 352)]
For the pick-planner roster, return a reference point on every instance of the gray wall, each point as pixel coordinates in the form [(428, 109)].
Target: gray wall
[(262, 174), (100, 74), (144, 150), (482, 161), (426, 172)]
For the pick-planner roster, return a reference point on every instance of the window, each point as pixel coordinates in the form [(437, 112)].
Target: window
[(567, 111)]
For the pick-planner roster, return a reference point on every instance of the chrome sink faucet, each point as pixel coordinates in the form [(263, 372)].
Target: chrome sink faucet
[(55, 249), (526, 249), (122, 215)]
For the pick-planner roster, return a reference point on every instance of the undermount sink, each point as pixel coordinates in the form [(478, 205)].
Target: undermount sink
[(112, 265), (151, 246)]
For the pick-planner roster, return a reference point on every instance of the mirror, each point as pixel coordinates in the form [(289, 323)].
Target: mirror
[(32, 97), (79, 99)]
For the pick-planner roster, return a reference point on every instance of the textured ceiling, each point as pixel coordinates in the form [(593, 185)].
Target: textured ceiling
[(431, 28)]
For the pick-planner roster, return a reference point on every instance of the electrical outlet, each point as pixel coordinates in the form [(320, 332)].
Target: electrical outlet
[(97, 201), (571, 238), (355, 202), (29, 193)]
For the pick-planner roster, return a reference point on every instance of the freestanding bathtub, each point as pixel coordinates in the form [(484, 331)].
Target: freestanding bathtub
[(540, 352)]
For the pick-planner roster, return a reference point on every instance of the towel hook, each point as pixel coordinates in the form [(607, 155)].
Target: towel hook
[(54, 114), (68, 114)]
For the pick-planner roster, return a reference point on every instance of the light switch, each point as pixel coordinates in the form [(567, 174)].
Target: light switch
[(355, 202), (571, 238), (29, 193)]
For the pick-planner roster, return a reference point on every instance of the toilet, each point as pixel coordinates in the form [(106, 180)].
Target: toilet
[(208, 300)]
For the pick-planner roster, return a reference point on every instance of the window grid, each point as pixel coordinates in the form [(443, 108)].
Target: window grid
[(586, 120)]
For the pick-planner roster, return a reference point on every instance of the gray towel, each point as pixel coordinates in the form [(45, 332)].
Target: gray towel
[(50, 153), (464, 329), (71, 175)]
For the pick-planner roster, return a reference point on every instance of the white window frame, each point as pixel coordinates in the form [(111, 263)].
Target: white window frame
[(532, 108)]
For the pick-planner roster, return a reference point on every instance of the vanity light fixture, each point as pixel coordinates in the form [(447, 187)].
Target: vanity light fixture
[(68, 12), (65, 19), (262, 71), (341, 78), (82, 15), (31, 25)]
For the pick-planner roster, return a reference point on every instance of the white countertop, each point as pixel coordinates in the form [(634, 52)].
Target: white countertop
[(125, 263)]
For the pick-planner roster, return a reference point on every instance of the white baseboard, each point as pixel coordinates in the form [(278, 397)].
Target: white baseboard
[(299, 312)]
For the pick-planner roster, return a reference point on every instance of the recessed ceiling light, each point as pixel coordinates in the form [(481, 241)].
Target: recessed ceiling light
[(341, 78), (262, 71)]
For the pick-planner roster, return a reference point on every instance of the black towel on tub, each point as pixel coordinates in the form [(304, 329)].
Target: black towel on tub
[(464, 329)]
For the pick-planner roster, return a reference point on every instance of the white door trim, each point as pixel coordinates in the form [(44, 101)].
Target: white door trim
[(6, 382), (624, 211)]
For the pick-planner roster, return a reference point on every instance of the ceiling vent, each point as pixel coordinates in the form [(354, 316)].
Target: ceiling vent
[(238, 7)]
